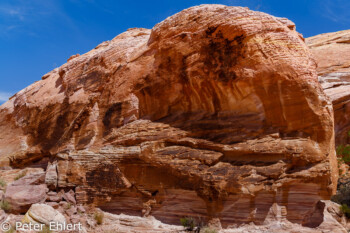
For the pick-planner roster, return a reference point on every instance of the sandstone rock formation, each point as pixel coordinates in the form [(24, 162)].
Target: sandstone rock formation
[(214, 113), (51, 176), (24, 192), (43, 215), (332, 54), (331, 51), (277, 223)]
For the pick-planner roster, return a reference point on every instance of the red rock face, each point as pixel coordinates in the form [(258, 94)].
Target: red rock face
[(332, 54), (215, 112)]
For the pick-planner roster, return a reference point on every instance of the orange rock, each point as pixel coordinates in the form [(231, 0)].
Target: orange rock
[(72, 57), (331, 51), (214, 113), (332, 54)]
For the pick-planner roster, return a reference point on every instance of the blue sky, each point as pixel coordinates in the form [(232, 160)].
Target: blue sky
[(37, 36)]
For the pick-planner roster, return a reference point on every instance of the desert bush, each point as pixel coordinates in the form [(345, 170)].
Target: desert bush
[(344, 208), (5, 205), (2, 183), (99, 217), (188, 223), (20, 175), (343, 152), (343, 195), (192, 224), (343, 192)]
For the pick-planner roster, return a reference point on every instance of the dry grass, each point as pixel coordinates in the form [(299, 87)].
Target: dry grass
[(99, 217), (20, 175)]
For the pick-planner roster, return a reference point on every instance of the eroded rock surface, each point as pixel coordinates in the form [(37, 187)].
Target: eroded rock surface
[(331, 51), (214, 113), (43, 214), (24, 192), (276, 222), (332, 54)]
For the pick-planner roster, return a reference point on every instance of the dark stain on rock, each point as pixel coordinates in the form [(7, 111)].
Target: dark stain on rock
[(222, 55), (210, 30), (113, 117), (53, 125), (183, 72), (43, 135), (92, 80), (183, 35), (61, 73), (85, 140), (105, 177)]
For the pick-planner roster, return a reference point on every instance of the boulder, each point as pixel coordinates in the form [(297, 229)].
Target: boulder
[(43, 214), (69, 197), (216, 112), (24, 192), (22, 197), (71, 210), (9, 175), (30, 179), (81, 209), (54, 197)]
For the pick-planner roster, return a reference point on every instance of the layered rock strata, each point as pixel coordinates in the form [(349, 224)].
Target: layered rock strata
[(214, 113), (332, 54)]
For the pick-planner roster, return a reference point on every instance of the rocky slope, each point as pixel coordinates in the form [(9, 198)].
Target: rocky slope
[(62, 208), (215, 113), (332, 54)]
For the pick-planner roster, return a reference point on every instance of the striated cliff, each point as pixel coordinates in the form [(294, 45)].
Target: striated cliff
[(214, 113), (332, 54)]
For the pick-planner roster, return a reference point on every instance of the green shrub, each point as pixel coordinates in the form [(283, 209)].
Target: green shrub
[(2, 183), (20, 175), (188, 223), (99, 217), (344, 153), (69, 205), (344, 208), (342, 197), (208, 230), (5, 205)]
